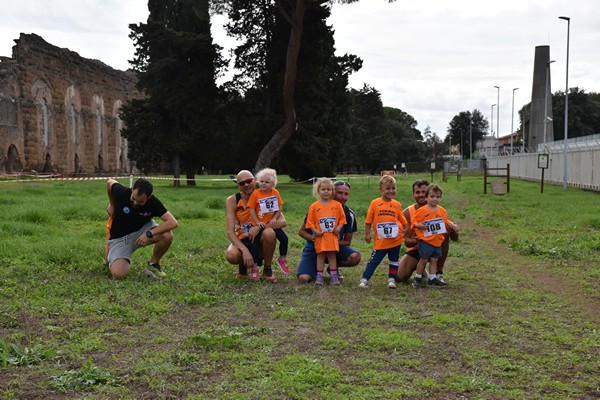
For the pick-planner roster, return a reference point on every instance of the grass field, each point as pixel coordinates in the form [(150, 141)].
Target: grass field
[(520, 319)]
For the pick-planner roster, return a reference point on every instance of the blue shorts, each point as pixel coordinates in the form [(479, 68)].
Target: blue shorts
[(428, 251), (308, 258)]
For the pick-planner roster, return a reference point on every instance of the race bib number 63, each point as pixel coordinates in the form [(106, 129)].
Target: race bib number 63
[(327, 224)]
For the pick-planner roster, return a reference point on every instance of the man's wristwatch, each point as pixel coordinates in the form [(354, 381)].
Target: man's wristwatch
[(149, 234)]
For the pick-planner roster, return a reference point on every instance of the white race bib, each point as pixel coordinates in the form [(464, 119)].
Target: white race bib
[(268, 205), (434, 227), (327, 224), (387, 230), (245, 228)]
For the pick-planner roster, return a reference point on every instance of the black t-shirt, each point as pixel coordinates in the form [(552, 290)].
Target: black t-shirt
[(128, 219)]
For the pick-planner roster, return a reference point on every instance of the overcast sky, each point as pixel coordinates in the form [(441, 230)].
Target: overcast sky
[(431, 59)]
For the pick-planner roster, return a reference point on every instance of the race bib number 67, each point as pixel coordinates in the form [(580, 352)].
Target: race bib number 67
[(435, 227), (387, 230)]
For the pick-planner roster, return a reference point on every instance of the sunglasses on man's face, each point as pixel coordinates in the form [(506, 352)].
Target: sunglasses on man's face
[(342, 183), (246, 182)]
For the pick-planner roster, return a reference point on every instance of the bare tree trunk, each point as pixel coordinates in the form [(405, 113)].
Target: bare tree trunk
[(283, 134), (190, 176), (176, 170)]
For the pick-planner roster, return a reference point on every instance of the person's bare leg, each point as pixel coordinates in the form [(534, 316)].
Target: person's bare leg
[(119, 268), (163, 243), (406, 267), (267, 245)]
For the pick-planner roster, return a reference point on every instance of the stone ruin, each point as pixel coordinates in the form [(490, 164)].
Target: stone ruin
[(59, 112)]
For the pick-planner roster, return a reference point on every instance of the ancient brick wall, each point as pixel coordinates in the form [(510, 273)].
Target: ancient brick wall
[(59, 111)]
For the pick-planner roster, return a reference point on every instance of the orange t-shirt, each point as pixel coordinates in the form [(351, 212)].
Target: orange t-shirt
[(265, 204), (436, 222), (387, 220), (326, 217), (243, 219)]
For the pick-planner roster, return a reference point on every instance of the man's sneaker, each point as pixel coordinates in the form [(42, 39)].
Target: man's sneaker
[(391, 283), (340, 276), (363, 283), (440, 277), (335, 280), (417, 282), (436, 282), (270, 278), (319, 280), (154, 271), (283, 265), (254, 275)]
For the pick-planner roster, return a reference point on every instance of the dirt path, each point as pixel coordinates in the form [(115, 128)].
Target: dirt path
[(549, 278)]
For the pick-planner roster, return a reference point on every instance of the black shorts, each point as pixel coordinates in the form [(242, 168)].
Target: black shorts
[(414, 253)]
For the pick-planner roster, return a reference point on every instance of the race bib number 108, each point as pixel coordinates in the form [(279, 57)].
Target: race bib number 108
[(435, 227)]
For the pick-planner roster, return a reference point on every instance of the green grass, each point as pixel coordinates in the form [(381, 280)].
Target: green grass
[(519, 320)]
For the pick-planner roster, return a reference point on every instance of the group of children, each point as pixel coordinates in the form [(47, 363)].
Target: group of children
[(385, 218)]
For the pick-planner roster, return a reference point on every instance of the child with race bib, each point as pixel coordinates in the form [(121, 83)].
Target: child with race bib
[(326, 219), (265, 206), (429, 223), (387, 219)]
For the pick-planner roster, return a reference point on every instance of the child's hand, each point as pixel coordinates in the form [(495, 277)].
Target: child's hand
[(262, 225), (368, 237), (452, 226), (317, 233)]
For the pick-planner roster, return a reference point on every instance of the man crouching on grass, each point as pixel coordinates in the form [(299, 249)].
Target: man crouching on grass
[(131, 227)]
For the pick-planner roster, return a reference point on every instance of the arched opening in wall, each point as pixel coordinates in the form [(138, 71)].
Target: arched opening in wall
[(73, 124), (45, 124), (47, 164), (78, 168), (13, 163), (100, 168), (121, 163)]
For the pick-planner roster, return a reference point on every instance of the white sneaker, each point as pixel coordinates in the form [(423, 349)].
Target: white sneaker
[(363, 283), (391, 283)]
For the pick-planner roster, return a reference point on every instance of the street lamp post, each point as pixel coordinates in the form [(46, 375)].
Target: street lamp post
[(470, 136), (568, 19), (546, 99), (512, 118), (492, 126), (498, 121)]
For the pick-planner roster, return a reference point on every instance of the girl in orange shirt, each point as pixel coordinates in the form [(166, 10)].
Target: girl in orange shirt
[(326, 218)]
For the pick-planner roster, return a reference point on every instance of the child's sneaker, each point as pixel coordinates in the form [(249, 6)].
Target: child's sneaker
[(363, 283), (254, 275), (436, 282), (283, 265), (334, 280), (391, 283), (154, 271), (319, 280), (417, 282)]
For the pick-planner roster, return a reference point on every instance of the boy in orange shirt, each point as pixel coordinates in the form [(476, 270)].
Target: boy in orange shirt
[(430, 224), (387, 219)]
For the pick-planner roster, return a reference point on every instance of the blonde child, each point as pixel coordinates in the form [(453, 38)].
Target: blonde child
[(326, 219), (429, 223), (265, 206), (387, 219)]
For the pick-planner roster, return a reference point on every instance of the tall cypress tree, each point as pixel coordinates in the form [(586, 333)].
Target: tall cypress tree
[(175, 63)]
